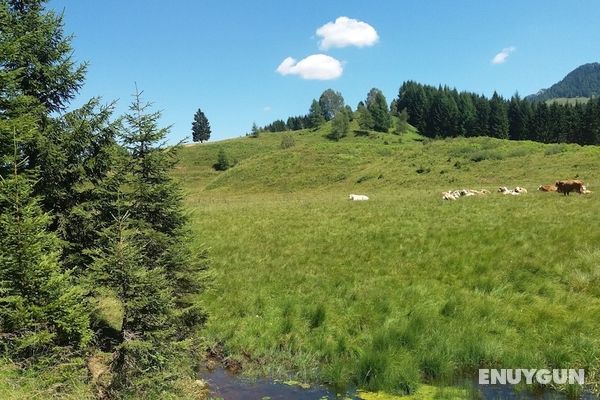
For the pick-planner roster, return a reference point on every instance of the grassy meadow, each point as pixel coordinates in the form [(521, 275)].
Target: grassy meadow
[(405, 288)]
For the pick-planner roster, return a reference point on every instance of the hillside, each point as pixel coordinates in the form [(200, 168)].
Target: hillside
[(583, 81), (405, 288)]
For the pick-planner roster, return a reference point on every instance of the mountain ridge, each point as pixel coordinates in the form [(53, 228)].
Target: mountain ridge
[(583, 81)]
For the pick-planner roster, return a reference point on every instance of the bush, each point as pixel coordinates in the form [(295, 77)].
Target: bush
[(555, 149), (287, 141), (486, 155), (222, 163)]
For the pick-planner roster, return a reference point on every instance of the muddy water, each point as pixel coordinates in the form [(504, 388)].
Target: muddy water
[(228, 386)]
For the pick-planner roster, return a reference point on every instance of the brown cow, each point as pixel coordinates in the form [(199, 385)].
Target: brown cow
[(568, 186), (547, 188)]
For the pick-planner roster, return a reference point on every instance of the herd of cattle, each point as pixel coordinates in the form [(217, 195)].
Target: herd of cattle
[(565, 187)]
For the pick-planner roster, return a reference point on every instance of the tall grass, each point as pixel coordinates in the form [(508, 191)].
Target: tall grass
[(404, 288)]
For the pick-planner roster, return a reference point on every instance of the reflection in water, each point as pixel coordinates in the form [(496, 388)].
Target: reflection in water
[(233, 387)]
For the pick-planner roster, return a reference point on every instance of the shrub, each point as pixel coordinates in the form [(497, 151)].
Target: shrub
[(555, 149), (222, 163), (486, 155), (287, 141)]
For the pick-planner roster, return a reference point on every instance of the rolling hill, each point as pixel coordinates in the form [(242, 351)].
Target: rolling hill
[(404, 288), (582, 82)]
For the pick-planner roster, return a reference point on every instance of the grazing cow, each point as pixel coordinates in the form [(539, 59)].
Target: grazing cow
[(567, 186), (358, 197), (547, 188)]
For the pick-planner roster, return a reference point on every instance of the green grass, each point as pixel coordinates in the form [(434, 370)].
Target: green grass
[(568, 100), (404, 288), (65, 381)]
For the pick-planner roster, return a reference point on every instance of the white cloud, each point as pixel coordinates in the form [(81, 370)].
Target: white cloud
[(316, 66), (347, 32), (501, 57), (267, 108)]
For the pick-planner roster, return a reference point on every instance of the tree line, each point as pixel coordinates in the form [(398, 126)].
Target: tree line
[(88, 210), (440, 112), (444, 112), (372, 114)]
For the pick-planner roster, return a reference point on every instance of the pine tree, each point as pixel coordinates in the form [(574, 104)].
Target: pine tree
[(78, 153), (222, 163), (200, 127), (339, 125), (482, 105), (402, 122), (315, 115), (467, 117), (590, 123), (498, 122), (35, 47), (41, 307), (378, 108), (331, 102), (156, 210), (254, 131), (412, 96), (69, 151), (142, 256), (143, 355), (364, 118), (517, 118), (442, 117)]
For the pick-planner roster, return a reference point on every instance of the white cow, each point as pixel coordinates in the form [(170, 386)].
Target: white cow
[(358, 197), (448, 196), (514, 192), (520, 189), (455, 194), (585, 190)]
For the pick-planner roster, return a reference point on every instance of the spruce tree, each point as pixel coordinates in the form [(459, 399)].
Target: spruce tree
[(402, 122), (331, 102), (35, 47), (339, 125), (143, 257), (200, 127), (498, 122), (467, 115), (254, 131), (222, 163), (41, 307), (143, 355), (517, 119), (156, 210), (412, 96), (442, 117), (364, 118), (69, 151), (378, 108), (315, 115)]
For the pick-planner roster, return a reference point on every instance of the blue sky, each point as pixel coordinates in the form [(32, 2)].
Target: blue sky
[(222, 56)]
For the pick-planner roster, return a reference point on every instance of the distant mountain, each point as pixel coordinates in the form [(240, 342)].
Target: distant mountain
[(583, 81)]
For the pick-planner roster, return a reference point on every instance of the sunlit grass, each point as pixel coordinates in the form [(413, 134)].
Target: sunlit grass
[(404, 288)]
